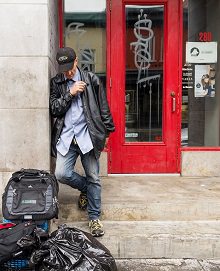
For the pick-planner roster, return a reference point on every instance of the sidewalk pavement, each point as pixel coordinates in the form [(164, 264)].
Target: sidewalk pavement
[(168, 265)]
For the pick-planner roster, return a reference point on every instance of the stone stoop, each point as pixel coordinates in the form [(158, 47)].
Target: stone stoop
[(159, 239), (150, 218), (168, 265)]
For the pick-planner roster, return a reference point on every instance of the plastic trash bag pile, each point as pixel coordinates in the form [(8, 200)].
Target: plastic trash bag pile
[(70, 249)]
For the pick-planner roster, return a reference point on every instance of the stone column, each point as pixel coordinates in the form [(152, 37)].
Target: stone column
[(29, 40)]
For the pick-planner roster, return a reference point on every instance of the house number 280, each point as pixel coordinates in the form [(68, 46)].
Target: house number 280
[(205, 36)]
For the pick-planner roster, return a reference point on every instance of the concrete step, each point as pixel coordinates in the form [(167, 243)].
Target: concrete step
[(152, 211), (168, 265), (158, 239), (153, 217), (153, 198)]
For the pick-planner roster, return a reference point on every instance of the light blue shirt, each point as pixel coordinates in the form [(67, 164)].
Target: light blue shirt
[(75, 125)]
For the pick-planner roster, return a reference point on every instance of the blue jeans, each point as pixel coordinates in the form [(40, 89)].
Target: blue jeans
[(90, 184)]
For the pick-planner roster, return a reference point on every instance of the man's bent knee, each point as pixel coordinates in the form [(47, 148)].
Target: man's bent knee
[(61, 176)]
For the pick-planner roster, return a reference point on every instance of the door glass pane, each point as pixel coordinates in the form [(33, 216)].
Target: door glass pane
[(85, 31), (144, 73)]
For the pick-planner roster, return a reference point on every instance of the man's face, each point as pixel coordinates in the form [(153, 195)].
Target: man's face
[(206, 80), (69, 74)]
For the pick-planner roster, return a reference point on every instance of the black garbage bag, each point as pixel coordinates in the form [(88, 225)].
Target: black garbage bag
[(71, 249)]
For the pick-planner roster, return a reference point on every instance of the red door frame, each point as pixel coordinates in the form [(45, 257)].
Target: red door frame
[(111, 70), (171, 122)]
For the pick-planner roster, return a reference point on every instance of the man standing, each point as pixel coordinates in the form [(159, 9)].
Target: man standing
[(82, 126)]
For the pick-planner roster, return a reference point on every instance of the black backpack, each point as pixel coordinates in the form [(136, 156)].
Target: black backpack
[(31, 194), (16, 241)]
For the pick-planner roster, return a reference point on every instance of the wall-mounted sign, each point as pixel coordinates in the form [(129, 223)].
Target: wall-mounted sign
[(204, 80), (201, 52)]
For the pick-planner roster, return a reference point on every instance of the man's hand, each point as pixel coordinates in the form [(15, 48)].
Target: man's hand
[(79, 86)]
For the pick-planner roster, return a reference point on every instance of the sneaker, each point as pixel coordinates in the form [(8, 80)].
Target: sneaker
[(82, 201), (96, 228)]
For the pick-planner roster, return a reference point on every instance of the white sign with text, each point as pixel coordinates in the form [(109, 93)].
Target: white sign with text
[(201, 52)]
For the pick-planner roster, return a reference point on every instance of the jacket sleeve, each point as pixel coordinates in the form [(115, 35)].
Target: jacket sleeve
[(59, 104), (103, 105)]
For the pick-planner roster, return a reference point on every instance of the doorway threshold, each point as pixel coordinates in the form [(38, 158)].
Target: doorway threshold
[(143, 174)]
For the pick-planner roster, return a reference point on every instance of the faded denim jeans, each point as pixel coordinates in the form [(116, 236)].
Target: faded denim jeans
[(90, 184)]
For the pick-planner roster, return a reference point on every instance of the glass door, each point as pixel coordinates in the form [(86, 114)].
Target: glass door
[(144, 86), (144, 73)]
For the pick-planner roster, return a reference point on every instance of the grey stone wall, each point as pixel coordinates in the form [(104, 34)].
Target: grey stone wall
[(200, 163), (29, 40)]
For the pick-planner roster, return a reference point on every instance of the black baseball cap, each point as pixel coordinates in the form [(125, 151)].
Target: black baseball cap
[(65, 58)]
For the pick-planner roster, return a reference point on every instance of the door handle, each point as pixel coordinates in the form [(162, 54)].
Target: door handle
[(173, 97)]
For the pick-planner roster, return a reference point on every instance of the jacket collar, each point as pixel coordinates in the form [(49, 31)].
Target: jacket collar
[(59, 78)]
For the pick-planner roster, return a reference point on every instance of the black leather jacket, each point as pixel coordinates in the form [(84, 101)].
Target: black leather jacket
[(95, 106)]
